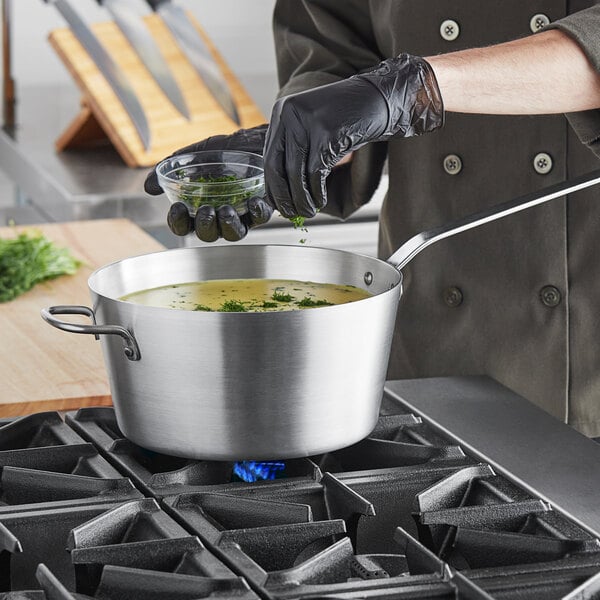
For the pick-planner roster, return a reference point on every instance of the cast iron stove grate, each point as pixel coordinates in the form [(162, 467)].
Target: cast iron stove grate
[(407, 513), (159, 474)]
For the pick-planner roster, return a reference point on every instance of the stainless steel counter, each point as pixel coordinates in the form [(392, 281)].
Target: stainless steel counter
[(521, 441), (96, 183), (72, 185)]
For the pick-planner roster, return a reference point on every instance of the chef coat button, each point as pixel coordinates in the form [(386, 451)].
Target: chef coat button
[(449, 30), (550, 296), (542, 163), (452, 164), (538, 22), (453, 297)]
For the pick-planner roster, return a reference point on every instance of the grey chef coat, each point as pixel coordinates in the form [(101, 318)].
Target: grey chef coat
[(517, 299)]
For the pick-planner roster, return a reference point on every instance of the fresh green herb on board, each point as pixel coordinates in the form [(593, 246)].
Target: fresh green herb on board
[(29, 259)]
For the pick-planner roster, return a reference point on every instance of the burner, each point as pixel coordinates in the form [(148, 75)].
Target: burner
[(251, 471), (162, 475)]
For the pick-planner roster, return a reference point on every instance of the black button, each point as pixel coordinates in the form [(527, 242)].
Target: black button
[(453, 297), (550, 296)]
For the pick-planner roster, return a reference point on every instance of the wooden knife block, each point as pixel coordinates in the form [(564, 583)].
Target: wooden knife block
[(103, 116)]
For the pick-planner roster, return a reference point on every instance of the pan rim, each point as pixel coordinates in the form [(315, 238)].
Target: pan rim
[(96, 274)]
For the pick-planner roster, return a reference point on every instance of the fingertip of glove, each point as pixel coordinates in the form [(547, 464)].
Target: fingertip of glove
[(151, 184), (206, 225), (231, 226), (259, 211), (179, 220)]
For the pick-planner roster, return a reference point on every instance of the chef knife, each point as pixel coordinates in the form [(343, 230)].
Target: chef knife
[(140, 38), (109, 69), (197, 53)]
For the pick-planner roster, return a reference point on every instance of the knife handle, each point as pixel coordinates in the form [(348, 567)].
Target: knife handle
[(155, 4)]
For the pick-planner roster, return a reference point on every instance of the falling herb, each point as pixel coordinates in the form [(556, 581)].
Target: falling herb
[(308, 302), (279, 297), (297, 221), (29, 259), (233, 306)]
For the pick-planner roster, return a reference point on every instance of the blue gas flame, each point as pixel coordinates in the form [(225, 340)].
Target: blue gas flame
[(251, 471)]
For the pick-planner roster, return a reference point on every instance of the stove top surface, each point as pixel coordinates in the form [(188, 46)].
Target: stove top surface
[(463, 490), (497, 426)]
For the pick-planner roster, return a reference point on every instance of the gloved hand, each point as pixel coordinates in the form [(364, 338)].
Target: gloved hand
[(225, 222), (312, 130)]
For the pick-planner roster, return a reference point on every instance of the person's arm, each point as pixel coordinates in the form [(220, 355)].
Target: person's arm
[(404, 96), (318, 42), (541, 74)]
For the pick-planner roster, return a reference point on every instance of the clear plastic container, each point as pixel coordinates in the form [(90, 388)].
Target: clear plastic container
[(212, 177)]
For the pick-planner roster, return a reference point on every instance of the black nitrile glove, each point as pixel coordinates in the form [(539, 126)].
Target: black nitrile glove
[(210, 224), (312, 130)]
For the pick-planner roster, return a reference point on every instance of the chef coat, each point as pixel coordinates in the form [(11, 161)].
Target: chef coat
[(517, 299)]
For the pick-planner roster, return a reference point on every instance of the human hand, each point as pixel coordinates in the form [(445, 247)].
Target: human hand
[(311, 131), (210, 224)]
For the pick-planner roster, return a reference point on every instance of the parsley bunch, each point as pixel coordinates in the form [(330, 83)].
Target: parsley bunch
[(28, 259)]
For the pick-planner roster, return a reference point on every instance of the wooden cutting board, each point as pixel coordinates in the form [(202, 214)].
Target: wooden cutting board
[(43, 368)]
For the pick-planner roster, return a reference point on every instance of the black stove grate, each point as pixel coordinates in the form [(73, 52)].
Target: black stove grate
[(158, 474), (404, 514)]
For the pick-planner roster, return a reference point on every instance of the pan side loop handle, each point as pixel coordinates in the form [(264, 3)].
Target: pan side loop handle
[(130, 345), (419, 242)]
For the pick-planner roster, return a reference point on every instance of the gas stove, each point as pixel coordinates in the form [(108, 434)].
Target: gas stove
[(463, 490)]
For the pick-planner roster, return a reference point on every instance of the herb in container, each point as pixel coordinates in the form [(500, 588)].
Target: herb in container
[(212, 177)]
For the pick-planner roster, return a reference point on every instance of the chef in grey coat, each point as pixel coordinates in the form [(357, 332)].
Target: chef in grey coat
[(518, 299)]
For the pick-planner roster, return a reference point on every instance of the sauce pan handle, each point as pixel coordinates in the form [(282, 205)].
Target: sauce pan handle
[(419, 242), (130, 346)]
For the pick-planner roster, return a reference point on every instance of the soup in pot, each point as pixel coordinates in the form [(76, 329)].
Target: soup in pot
[(247, 295)]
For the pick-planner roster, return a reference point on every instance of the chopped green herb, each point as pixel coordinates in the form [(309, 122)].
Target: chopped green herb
[(233, 306), (203, 307), (267, 304), (29, 259), (307, 302), (221, 179), (297, 221), (216, 195), (279, 297)]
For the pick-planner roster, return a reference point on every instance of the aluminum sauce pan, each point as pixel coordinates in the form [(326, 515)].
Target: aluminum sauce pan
[(231, 386)]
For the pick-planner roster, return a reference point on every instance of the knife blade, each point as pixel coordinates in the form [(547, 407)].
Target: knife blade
[(197, 53), (109, 69), (139, 37)]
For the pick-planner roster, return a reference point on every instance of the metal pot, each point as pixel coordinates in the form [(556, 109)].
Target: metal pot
[(255, 386)]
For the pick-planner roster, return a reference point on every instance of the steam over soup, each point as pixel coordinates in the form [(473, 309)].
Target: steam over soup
[(247, 295)]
